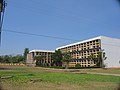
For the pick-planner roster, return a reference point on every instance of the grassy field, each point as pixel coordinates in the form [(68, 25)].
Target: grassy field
[(110, 70), (24, 78)]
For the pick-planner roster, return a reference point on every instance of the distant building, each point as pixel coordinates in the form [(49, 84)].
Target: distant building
[(46, 60), (81, 51)]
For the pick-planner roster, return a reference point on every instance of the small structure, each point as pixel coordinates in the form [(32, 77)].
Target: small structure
[(46, 60)]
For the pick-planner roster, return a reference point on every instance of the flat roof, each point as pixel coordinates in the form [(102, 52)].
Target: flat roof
[(40, 51), (84, 41)]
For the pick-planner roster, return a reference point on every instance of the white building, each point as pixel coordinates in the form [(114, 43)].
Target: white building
[(111, 47), (80, 51)]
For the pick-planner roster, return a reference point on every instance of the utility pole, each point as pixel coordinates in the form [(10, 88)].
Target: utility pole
[(2, 10)]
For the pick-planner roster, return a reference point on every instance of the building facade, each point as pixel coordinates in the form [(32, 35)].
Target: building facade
[(47, 59), (81, 51)]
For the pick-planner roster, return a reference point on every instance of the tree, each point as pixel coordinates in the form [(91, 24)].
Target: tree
[(26, 51), (18, 59), (98, 59), (39, 60), (101, 57), (57, 58), (66, 58), (77, 66), (6, 59), (11, 59), (92, 58), (1, 59)]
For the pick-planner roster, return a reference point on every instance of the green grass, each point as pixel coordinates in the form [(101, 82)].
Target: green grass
[(53, 80), (110, 71)]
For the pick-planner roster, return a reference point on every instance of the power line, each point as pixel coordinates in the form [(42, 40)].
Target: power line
[(33, 34), (72, 17), (45, 12)]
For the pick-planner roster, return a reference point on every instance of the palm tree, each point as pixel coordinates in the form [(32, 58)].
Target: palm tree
[(66, 58), (39, 59), (92, 58), (26, 51), (57, 58), (101, 57)]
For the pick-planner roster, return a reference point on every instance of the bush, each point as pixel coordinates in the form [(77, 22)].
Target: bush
[(57, 67), (77, 66)]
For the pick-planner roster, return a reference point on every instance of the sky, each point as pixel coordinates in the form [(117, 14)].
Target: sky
[(55, 23)]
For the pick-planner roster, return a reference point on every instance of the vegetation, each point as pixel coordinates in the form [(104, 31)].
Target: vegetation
[(26, 51), (12, 59), (101, 58), (93, 58), (77, 66), (49, 79), (63, 60), (39, 60), (57, 58), (66, 59), (98, 59)]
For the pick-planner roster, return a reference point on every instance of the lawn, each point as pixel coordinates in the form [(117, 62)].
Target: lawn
[(110, 70), (24, 78)]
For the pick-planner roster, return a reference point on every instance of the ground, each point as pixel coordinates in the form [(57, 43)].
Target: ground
[(37, 78)]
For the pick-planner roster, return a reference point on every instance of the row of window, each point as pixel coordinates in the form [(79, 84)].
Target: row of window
[(82, 46), (45, 61), (43, 53), (84, 54)]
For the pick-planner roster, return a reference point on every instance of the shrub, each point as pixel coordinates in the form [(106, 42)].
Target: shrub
[(57, 67), (77, 66)]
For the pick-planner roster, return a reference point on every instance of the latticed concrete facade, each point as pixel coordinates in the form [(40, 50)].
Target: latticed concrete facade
[(81, 51), (46, 60)]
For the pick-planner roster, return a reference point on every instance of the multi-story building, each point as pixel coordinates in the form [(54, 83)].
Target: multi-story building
[(45, 53), (81, 51)]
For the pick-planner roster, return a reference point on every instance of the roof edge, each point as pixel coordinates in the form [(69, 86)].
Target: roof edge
[(87, 40), (40, 51)]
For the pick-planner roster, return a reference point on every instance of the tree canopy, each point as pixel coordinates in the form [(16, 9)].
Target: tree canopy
[(12, 59), (66, 59), (57, 58), (26, 51), (98, 59), (39, 60)]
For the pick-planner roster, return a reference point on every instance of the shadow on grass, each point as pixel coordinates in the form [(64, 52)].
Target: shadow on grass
[(118, 86), (1, 68), (1, 88)]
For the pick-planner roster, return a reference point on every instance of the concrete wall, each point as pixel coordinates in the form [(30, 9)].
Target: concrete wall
[(30, 61), (111, 47)]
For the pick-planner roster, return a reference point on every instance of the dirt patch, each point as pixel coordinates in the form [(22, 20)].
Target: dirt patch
[(6, 77), (35, 80)]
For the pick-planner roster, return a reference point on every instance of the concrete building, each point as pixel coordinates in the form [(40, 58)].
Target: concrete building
[(46, 60), (81, 51)]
